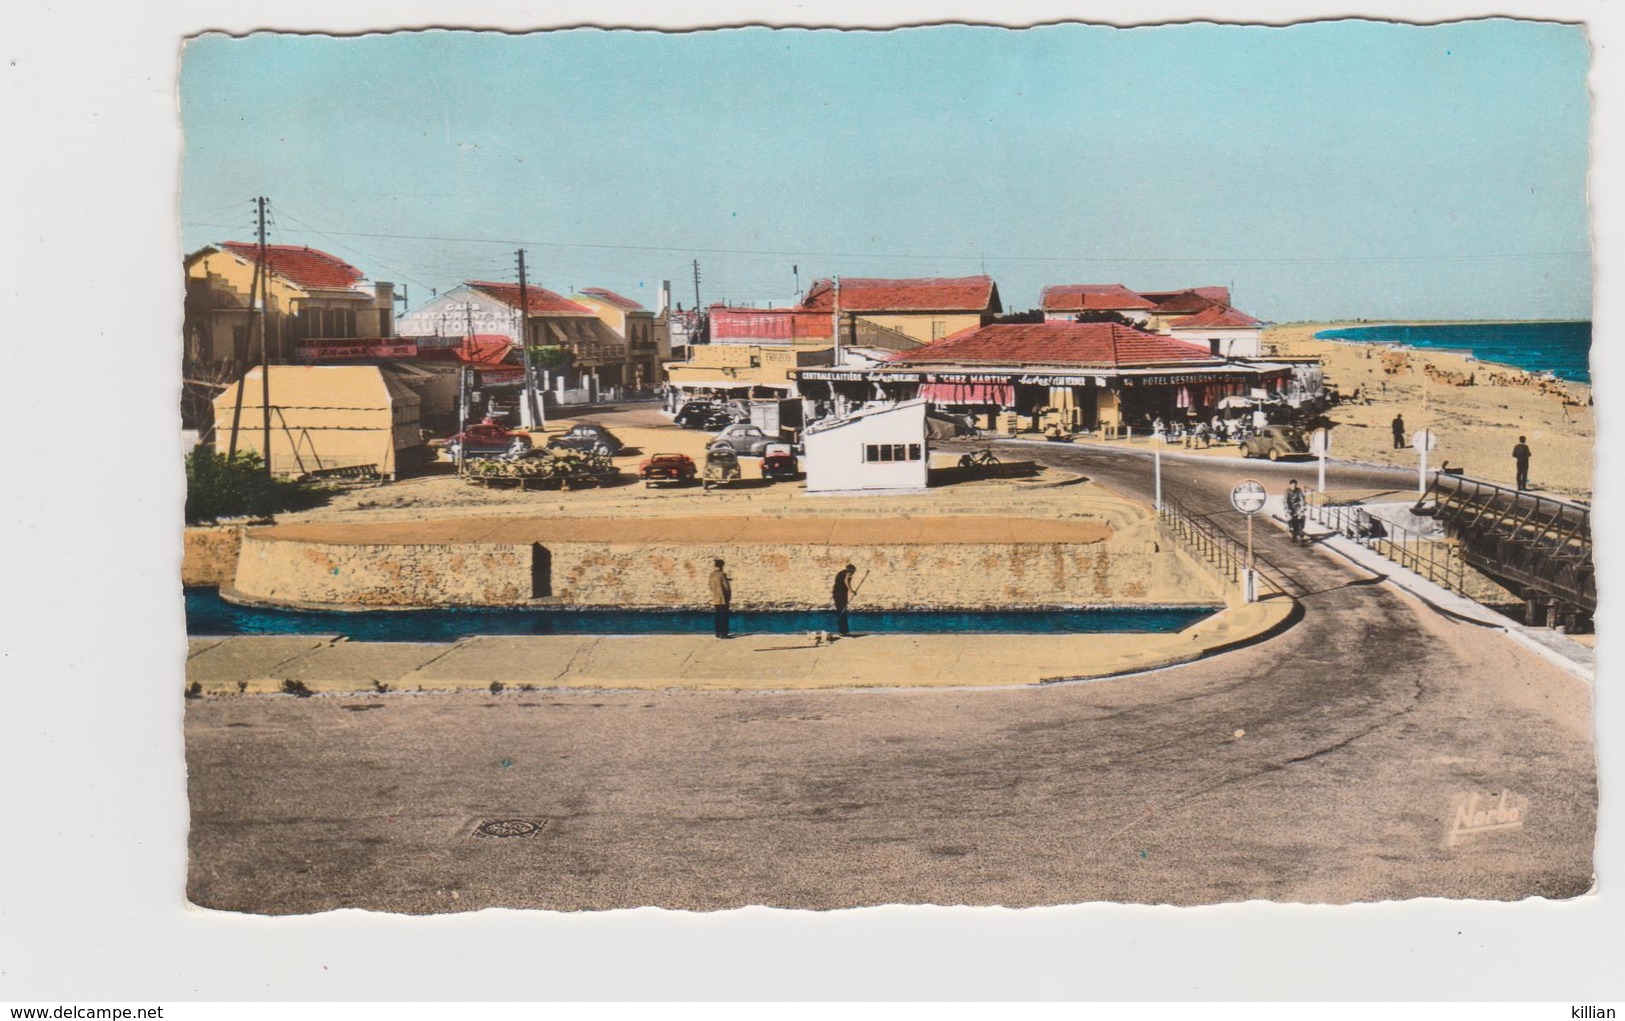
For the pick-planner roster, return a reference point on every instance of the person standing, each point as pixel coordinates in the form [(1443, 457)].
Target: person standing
[(1294, 509), (721, 597), (1399, 432), (1520, 454), (843, 593)]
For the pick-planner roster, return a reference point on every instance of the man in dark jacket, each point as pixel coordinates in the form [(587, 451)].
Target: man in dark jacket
[(1520, 454), (1399, 432), (722, 593), (843, 597)]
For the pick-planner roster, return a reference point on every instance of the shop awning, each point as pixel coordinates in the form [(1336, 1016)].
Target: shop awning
[(1001, 394)]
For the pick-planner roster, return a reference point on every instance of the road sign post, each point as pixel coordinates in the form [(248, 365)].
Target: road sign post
[(1320, 444), (1248, 497), (1156, 457), (1423, 441)]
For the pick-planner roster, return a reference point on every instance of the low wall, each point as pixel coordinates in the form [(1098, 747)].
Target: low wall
[(957, 575), (209, 555)]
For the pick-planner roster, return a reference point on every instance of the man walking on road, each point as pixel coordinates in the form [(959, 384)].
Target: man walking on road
[(843, 597), (1399, 432), (1294, 509), (721, 596), (1520, 454)]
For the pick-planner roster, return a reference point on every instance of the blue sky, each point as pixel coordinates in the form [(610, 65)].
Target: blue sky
[(1344, 169)]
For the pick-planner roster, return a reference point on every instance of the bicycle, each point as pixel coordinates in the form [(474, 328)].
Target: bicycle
[(977, 458)]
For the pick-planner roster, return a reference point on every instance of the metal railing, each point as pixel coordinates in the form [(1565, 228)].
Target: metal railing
[(1538, 545), (1204, 539), (1439, 561)]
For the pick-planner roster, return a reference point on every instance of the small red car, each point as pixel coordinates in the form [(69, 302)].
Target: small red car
[(673, 469), (487, 439)]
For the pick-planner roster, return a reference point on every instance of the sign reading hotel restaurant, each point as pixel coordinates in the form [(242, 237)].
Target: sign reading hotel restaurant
[(1247, 497), (346, 352)]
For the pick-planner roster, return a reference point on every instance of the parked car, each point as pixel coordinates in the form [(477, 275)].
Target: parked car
[(721, 467), (587, 436), (694, 414), (722, 417), (1275, 442), (779, 462), (674, 469), (743, 438), (487, 439)]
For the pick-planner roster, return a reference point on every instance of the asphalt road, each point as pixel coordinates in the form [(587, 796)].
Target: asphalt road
[(1325, 765)]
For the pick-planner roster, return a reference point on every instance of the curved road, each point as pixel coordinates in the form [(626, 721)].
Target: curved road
[(1325, 765)]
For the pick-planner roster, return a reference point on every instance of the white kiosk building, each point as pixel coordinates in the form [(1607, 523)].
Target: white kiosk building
[(878, 449)]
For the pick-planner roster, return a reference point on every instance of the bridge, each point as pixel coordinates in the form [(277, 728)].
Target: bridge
[(1537, 546)]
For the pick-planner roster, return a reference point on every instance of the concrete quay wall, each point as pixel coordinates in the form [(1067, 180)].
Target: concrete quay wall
[(655, 575)]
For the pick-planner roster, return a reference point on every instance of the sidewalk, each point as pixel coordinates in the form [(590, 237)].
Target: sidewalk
[(1557, 649), (763, 662)]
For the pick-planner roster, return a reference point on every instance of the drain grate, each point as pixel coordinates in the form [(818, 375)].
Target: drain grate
[(508, 828)]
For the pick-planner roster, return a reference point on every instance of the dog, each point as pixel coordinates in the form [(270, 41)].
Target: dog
[(821, 638)]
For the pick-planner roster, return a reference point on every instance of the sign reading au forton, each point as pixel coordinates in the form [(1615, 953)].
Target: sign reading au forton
[(1248, 497)]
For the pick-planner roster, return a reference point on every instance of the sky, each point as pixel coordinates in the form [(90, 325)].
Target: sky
[(1324, 171)]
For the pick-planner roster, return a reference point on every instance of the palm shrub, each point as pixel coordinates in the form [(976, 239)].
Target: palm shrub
[(218, 486)]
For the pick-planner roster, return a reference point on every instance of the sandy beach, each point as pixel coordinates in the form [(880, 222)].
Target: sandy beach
[(1476, 425)]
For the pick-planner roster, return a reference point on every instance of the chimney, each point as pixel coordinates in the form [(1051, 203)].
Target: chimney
[(663, 304), (384, 301)]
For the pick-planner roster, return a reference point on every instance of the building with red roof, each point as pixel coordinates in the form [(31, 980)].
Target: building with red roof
[(1066, 301), (579, 347), (1223, 330), (895, 314), (310, 297), (1075, 376)]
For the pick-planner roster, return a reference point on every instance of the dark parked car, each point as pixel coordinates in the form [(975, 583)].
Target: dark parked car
[(779, 462), (486, 439), (588, 437), (694, 414)]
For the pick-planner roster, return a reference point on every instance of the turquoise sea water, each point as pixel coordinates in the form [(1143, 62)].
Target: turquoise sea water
[(1563, 349)]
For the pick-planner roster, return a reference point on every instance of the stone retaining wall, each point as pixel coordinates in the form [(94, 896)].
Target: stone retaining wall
[(764, 576), (209, 555)]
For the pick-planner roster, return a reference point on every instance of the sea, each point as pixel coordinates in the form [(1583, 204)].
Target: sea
[(1562, 349)]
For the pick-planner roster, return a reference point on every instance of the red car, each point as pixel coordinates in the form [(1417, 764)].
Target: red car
[(485, 440), (674, 469)]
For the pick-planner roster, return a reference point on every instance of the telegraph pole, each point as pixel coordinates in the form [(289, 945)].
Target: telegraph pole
[(243, 349), (265, 347), (696, 287), (532, 413)]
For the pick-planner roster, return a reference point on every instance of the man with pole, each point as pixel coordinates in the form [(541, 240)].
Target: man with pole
[(845, 589)]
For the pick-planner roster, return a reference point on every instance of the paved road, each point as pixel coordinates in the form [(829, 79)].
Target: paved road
[(1326, 765)]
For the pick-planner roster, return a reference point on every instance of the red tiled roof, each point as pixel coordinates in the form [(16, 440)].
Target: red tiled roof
[(1215, 317), (540, 299), (923, 294), (1108, 345), (1081, 297), (1217, 294), (303, 267), (770, 324), (1184, 303), (619, 301)]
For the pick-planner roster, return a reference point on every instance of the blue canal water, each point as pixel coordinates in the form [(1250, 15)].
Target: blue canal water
[(208, 614), (1563, 349)]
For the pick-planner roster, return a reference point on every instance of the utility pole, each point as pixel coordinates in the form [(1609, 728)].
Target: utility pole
[(532, 416), (696, 287), (246, 347), (836, 318), (265, 346)]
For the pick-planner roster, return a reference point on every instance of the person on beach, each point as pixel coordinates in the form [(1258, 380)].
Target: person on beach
[(1399, 432), (1294, 509), (722, 593), (843, 593), (1520, 455)]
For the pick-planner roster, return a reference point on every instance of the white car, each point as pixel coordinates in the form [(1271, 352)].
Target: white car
[(743, 438)]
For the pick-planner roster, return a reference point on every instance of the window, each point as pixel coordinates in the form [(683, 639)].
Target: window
[(887, 452)]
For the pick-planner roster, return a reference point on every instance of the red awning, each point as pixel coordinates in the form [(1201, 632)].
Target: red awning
[(1001, 394)]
